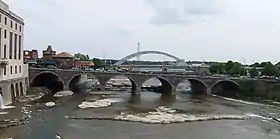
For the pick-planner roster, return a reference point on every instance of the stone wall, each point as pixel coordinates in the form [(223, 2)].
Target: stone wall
[(260, 89), (20, 88)]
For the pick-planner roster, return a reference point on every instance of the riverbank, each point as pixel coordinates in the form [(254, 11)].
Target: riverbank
[(19, 113)]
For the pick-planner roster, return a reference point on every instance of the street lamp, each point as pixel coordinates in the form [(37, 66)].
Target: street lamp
[(243, 61)]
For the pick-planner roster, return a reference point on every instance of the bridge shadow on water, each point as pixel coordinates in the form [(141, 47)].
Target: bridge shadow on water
[(226, 89)]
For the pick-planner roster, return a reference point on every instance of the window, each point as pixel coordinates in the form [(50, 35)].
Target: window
[(11, 24), (5, 51), (11, 70), (5, 34), (16, 26), (5, 21), (15, 47), (19, 28), (11, 46), (0, 18), (19, 47), (15, 69), (5, 71), (19, 69)]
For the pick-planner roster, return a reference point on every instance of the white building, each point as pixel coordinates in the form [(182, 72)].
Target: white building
[(13, 73)]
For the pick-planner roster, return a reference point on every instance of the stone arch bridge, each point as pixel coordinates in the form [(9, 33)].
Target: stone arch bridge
[(60, 79)]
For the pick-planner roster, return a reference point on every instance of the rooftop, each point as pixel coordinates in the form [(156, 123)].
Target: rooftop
[(49, 50), (63, 55), (89, 63)]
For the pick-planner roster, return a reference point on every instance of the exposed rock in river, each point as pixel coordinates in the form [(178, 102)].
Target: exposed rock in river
[(2, 113), (98, 103), (63, 93), (164, 115), (50, 104)]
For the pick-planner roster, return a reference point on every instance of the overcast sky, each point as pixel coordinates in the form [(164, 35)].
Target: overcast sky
[(190, 29)]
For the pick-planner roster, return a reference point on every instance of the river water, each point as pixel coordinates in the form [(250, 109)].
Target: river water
[(46, 122)]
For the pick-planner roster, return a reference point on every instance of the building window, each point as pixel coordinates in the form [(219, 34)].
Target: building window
[(5, 34), (5, 21), (15, 47), (11, 24), (5, 51), (16, 26), (15, 69), (0, 18), (11, 70), (19, 47), (11, 46), (5, 71), (19, 69), (19, 28)]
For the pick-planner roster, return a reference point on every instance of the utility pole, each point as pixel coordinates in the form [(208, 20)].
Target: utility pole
[(138, 50), (104, 59)]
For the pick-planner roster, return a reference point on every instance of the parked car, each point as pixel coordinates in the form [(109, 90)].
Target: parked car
[(89, 69), (75, 69)]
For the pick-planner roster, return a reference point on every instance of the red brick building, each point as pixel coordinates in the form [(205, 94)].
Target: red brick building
[(48, 53), (30, 55), (64, 60), (83, 64)]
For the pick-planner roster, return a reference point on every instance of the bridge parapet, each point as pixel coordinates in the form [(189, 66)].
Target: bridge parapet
[(136, 78)]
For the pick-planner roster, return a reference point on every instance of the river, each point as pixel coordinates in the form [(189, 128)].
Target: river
[(46, 122)]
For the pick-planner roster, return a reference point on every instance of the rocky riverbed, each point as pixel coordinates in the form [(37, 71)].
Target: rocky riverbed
[(85, 116), (20, 112)]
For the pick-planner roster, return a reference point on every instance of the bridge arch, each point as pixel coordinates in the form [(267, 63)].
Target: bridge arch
[(17, 90), (72, 83), (134, 86), (21, 89), (167, 87), (197, 86), (228, 88), (144, 53), (48, 79), (13, 94)]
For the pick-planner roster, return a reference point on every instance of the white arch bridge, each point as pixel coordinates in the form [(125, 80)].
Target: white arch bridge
[(179, 62)]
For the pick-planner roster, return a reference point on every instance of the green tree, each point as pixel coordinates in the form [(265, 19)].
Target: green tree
[(97, 62), (269, 69), (217, 68), (82, 57), (256, 65), (254, 72), (263, 64), (243, 72), (235, 69), (228, 66)]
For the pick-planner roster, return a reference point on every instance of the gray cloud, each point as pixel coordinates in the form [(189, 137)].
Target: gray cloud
[(190, 29), (180, 11)]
